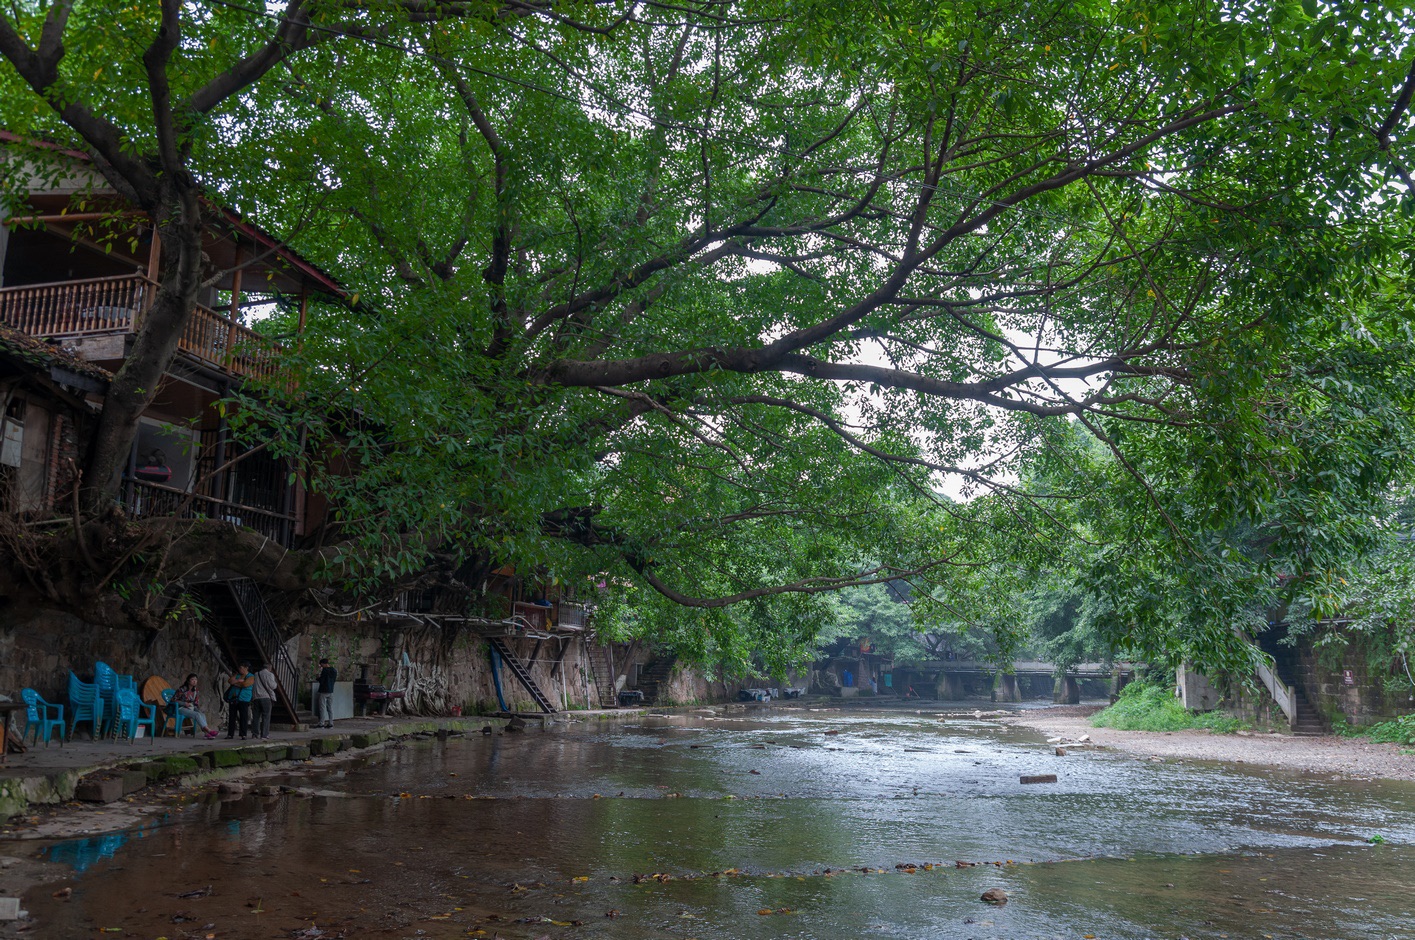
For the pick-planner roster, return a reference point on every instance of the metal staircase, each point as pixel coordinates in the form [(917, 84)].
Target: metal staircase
[(521, 673), (236, 614), (602, 671)]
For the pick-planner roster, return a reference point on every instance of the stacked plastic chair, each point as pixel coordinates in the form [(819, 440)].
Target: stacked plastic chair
[(85, 704), (44, 718), (132, 714), (107, 681)]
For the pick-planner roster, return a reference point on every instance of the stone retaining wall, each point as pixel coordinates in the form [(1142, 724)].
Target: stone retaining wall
[(38, 648)]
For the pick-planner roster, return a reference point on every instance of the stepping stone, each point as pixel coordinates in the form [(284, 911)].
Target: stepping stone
[(99, 789)]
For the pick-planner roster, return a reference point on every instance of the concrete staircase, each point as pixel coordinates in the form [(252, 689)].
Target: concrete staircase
[(1309, 720), (655, 677)]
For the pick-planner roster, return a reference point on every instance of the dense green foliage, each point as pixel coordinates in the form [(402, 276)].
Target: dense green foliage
[(1145, 707), (1396, 731), (706, 304)]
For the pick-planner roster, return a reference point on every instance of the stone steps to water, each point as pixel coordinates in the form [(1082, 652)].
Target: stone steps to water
[(1309, 720), (652, 679)]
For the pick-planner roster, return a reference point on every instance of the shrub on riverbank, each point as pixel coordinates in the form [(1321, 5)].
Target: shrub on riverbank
[(1396, 731), (1154, 708)]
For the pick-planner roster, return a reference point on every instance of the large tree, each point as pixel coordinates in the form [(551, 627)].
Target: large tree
[(682, 290)]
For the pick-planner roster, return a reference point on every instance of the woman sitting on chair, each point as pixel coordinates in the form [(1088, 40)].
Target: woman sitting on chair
[(188, 702)]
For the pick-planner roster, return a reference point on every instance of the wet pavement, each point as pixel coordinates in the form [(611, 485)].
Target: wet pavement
[(771, 824), (84, 753)]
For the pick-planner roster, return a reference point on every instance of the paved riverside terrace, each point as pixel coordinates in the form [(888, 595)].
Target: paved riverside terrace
[(85, 754), (55, 774)]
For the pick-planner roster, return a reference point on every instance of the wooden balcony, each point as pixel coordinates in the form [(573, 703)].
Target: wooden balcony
[(151, 500), (115, 305)]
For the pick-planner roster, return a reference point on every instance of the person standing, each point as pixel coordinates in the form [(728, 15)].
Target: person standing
[(263, 700), (187, 701), (239, 691), (324, 696)]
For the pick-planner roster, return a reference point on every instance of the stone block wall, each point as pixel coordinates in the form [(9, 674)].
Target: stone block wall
[(39, 647), (1362, 703), (464, 666), (687, 686)]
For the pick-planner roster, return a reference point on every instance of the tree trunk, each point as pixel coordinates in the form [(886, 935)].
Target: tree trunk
[(154, 344)]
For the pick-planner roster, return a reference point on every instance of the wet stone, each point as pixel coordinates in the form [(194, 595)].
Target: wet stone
[(322, 746), (1038, 778), (133, 781), (252, 755), (226, 759), (298, 752), (179, 766), (369, 739), (105, 789)]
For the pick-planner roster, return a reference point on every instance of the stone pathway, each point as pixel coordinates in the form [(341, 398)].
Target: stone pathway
[(104, 771)]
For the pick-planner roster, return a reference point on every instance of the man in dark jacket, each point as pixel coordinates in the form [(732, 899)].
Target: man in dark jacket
[(324, 697)]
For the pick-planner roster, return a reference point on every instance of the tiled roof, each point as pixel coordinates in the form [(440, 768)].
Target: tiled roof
[(37, 352)]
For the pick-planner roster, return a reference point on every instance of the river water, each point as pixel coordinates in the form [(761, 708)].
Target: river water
[(758, 825)]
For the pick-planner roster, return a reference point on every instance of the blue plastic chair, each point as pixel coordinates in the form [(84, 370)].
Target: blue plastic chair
[(132, 714), (175, 716), (43, 717), (107, 681), (85, 704)]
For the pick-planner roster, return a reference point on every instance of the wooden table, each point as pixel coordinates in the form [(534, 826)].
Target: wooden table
[(7, 709)]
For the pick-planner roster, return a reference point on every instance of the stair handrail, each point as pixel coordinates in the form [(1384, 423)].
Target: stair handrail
[(1284, 695), (267, 636)]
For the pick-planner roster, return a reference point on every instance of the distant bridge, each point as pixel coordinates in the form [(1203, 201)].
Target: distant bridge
[(1021, 668), (955, 679)]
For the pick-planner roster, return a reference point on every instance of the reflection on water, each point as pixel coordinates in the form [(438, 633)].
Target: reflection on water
[(776, 814), (81, 854)]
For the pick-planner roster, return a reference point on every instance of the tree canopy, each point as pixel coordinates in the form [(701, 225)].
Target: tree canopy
[(713, 300)]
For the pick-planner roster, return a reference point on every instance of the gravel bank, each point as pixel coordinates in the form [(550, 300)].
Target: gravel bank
[(1348, 757)]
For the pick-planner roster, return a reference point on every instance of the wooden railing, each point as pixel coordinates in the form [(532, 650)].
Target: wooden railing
[(146, 500), (116, 304), (76, 308)]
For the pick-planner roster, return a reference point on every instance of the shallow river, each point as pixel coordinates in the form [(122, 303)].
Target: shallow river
[(761, 823)]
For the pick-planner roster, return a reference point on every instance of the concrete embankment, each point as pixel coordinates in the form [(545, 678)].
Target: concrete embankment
[(105, 771)]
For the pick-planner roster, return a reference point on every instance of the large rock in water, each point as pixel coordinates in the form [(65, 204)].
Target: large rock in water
[(995, 896), (517, 723)]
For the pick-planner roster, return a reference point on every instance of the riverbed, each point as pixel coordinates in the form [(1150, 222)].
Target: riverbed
[(762, 824)]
